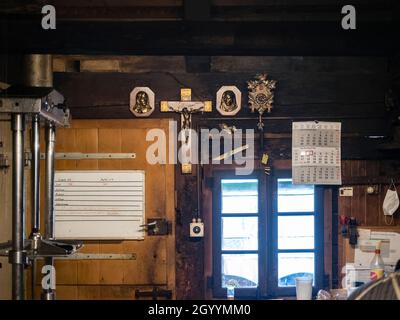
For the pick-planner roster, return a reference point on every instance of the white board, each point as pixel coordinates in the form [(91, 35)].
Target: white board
[(99, 204)]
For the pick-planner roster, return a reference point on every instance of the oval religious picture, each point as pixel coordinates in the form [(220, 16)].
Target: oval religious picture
[(229, 100), (142, 100)]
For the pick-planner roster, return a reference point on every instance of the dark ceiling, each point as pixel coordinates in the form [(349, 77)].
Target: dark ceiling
[(200, 27)]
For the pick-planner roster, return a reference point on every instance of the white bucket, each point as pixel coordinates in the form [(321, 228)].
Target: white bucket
[(304, 288)]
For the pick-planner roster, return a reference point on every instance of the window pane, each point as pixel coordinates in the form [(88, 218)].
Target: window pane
[(293, 265), (239, 195), (295, 232), (240, 233), (295, 197), (242, 269)]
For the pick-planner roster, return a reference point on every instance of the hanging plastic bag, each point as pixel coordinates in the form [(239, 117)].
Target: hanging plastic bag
[(391, 202)]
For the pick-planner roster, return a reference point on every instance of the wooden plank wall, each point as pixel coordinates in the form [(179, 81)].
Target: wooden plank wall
[(155, 263), (189, 252), (347, 89), (5, 208), (367, 209)]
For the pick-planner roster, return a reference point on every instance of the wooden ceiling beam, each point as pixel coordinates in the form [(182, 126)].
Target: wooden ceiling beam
[(192, 10), (197, 38)]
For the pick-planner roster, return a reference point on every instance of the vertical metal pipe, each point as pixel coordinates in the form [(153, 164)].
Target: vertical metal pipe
[(18, 208), (38, 70), (35, 174), (35, 194), (49, 182), (50, 137)]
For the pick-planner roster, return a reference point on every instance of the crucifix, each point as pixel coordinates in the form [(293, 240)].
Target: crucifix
[(186, 107)]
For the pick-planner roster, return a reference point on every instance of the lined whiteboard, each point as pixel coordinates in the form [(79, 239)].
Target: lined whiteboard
[(99, 204)]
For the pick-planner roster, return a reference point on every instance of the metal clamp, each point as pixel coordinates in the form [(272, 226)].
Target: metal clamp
[(18, 257), (35, 241)]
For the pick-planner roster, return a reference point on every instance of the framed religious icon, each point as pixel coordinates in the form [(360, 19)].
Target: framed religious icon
[(142, 101), (229, 100)]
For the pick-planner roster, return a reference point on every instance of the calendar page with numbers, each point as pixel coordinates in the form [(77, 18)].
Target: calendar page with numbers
[(316, 153)]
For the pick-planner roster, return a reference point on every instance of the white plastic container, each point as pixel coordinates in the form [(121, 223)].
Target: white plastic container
[(304, 288)]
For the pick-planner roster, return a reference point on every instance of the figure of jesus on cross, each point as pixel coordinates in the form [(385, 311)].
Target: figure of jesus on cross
[(186, 107)]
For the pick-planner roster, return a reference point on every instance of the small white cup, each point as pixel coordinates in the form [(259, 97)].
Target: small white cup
[(304, 288), (230, 292)]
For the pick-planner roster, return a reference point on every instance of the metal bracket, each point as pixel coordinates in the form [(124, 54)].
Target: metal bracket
[(76, 156), (36, 248), (18, 257), (99, 256), (83, 156), (46, 102), (158, 227)]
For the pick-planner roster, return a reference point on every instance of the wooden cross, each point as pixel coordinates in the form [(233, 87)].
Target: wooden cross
[(186, 107)]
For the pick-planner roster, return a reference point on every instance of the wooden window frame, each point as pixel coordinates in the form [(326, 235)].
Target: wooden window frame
[(318, 250), (218, 291), (267, 233)]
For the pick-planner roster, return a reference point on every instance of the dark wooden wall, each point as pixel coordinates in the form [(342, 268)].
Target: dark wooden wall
[(189, 252), (366, 208), (347, 89)]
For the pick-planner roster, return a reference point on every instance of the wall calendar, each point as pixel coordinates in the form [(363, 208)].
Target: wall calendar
[(316, 153)]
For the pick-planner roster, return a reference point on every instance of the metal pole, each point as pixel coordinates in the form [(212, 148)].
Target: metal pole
[(17, 255), (35, 194), (49, 183), (35, 174), (50, 137), (38, 70)]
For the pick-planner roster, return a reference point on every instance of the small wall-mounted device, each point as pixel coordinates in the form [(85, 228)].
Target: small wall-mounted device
[(373, 189), (196, 228), (346, 191)]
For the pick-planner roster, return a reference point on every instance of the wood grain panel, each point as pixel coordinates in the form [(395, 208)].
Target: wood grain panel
[(67, 292), (87, 142), (99, 279), (66, 140), (66, 272), (131, 143), (109, 141), (6, 208), (89, 292), (155, 256), (151, 262)]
